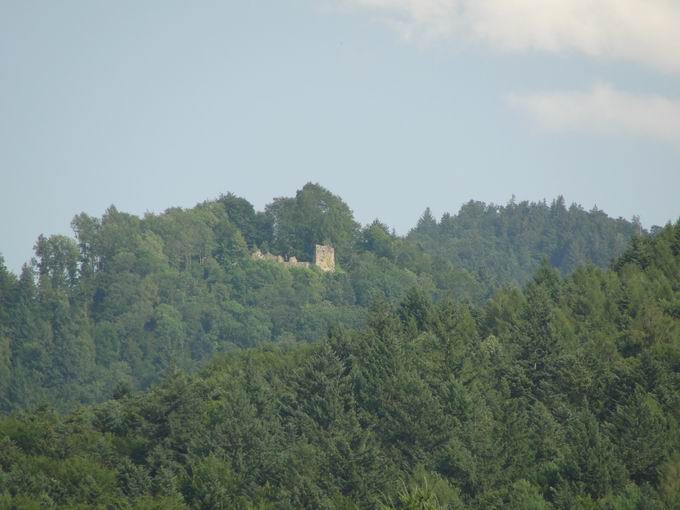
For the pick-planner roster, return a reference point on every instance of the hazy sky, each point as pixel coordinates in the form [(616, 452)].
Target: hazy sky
[(393, 104)]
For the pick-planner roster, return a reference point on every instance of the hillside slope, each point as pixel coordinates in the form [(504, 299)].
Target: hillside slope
[(130, 297), (563, 395)]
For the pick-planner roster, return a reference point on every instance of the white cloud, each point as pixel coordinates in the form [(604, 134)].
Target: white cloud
[(604, 110), (642, 31)]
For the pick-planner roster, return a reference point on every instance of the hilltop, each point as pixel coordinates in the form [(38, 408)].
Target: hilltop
[(564, 394), (128, 297)]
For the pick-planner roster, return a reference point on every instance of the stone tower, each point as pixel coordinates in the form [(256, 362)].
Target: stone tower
[(324, 257)]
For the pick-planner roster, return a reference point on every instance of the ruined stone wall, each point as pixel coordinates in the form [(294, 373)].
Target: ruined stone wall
[(291, 262), (294, 262), (324, 257)]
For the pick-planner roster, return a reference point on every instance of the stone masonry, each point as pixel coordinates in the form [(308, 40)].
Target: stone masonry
[(324, 258)]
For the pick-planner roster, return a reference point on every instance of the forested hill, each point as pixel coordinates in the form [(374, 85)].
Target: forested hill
[(129, 297), (504, 245), (562, 395)]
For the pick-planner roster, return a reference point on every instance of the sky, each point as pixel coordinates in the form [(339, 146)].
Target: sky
[(395, 105)]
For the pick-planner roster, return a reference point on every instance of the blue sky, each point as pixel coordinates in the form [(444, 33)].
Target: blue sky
[(393, 104)]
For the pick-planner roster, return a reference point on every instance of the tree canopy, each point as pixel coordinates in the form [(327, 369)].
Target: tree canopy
[(128, 297), (562, 394)]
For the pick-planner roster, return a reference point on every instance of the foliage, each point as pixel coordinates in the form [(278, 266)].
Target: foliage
[(131, 297), (562, 395)]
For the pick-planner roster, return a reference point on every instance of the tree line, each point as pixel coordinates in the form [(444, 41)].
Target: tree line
[(562, 394), (127, 298)]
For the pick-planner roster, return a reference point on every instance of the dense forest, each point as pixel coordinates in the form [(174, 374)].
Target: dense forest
[(128, 297), (560, 393)]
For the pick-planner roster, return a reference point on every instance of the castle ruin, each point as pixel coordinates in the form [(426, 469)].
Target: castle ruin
[(324, 258)]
